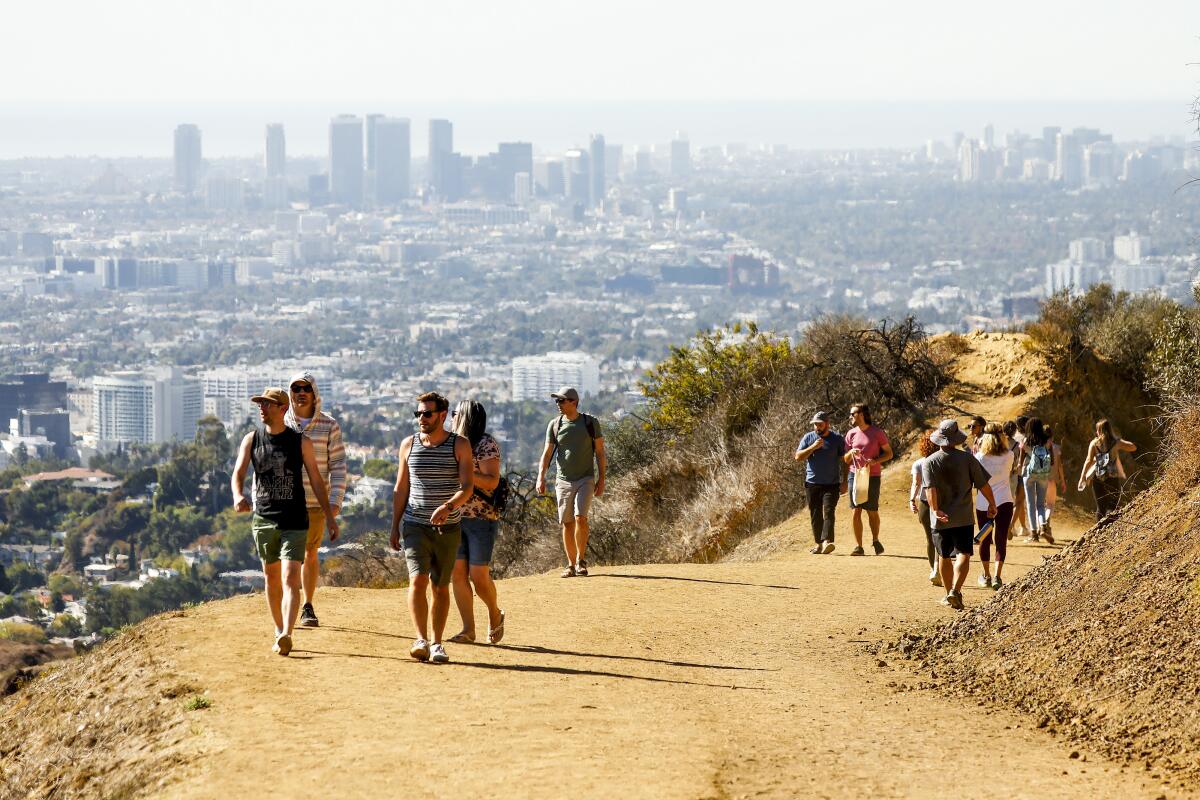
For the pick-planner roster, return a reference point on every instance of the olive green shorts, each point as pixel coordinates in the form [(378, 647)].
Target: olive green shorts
[(273, 543), (431, 550)]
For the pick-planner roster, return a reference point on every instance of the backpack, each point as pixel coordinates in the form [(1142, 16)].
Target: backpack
[(588, 420), (1104, 465), (498, 499), (1039, 462)]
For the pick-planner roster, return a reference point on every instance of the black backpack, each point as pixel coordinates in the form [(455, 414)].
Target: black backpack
[(588, 420), (498, 499)]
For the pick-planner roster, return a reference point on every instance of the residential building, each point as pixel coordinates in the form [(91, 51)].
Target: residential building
[(162, 405), (535, 377)]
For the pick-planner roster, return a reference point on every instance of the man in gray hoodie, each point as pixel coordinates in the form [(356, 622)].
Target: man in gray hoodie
[(305, 416)]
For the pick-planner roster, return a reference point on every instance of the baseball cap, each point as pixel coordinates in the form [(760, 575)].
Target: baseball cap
[(566, 393), (820, 416), (272, 394)]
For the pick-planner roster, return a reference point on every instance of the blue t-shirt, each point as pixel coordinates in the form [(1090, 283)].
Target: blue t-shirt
[(824, 465)]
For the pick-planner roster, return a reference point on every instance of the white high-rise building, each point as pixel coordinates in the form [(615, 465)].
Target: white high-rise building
[(275, 189), (1131, 248), (346, 170), (239, 384), (1137, 278), (146, 407), (1086, 251), (535, 377)]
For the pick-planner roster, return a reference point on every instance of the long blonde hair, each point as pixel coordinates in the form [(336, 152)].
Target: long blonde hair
[(993, 442)]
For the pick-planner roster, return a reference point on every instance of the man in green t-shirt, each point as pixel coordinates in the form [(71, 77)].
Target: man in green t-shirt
[(576, 444)]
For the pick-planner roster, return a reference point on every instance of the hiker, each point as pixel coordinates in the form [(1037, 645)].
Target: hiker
[(996, 457), (576, 443), (434, 481), (279, 455), (920, 506), (977, 426), (949, 476), (1103, 468), (822, 449), (868, 448), (1036, 464), (1057, 485), (1016, 487), (480, 524), (305, 416)]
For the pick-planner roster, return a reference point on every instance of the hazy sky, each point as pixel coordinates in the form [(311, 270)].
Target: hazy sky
[(397, 50)]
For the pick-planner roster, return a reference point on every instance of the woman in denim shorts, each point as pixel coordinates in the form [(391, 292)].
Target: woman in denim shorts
[(480, 524)]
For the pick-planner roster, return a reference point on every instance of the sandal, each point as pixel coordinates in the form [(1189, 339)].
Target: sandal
[(569, 572), (816, 551), (462, 637), (497, 633)]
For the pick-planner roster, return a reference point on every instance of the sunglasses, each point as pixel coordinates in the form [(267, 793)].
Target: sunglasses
[(425, 414), (300, 387), (558, 401)]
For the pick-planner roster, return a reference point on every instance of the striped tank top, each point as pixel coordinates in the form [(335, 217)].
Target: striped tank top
[(432, 480)]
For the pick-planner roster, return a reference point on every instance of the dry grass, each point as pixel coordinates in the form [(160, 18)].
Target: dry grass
[(72, 731)]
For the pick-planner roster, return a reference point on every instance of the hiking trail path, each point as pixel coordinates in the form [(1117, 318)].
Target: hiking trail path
[(728, 680)]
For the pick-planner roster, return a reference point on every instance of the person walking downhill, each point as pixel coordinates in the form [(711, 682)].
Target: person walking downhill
[(1036, 465), (1056, 487), (949, 476), (1103, 468), (576, 443), (867, 447), (305, 416), (996, 457), (279, 455), (920, 506), (480, 524), (1017, 488), (977, 426), (822, 450), (434, 481)]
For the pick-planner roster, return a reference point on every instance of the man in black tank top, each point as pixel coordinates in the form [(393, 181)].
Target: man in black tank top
[(280, 525), (435, 479)]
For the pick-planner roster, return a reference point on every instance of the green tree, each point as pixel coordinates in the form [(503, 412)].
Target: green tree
[(21, 576), (380, 468), (66, 626)]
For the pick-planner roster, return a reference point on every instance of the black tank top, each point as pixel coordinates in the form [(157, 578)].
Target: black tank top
[(278, 478)]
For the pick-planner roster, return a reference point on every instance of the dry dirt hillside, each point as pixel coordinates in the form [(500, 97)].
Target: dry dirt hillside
[(738, 679)]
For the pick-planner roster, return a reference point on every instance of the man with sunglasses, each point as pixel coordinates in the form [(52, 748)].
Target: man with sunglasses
[(279, 456), (822, 449), (867, 446), (575, 441), (435, 479), (305, 416)]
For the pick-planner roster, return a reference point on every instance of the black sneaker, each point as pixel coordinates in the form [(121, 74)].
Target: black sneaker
[(581, 568), (308, 617), (878, 547)]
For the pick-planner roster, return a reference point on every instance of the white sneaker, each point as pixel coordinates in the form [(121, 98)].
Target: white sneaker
[(420, 650), (985, 581), (437, 654), (827, 548), (935, 577)]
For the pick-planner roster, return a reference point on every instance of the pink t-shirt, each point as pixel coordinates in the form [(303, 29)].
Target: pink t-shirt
[(870, 442)]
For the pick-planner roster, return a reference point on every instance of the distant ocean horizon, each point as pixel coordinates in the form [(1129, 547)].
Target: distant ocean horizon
[(49, 130)]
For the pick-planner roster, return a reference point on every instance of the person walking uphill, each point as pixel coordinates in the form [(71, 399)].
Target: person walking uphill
[(434, 481), (1103, 468), (305, 416), (949, 476), (867, 450), (822, 450), (279, 455), (576, 443)]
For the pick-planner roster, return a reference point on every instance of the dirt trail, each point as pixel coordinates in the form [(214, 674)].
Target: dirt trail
[(670, 681)]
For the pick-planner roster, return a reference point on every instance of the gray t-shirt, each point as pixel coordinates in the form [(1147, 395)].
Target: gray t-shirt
[(575, 455), (953, 474)]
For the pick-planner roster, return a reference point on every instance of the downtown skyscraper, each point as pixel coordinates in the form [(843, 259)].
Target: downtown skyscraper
[(275, 191), (389, 156), (346, 175), (188, 161)]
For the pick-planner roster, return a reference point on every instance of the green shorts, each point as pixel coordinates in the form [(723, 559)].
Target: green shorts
[(431, 550), (272, 543)]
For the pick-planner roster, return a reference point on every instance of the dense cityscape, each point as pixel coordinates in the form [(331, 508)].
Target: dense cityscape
[(147, 299)]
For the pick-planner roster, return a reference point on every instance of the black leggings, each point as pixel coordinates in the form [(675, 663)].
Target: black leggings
[(1107, 492), (923, 515)]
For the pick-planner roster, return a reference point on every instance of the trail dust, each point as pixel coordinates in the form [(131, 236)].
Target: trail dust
[(726, 680)]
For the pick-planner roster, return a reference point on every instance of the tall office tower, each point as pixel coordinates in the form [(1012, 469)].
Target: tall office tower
[(681, 156), (275, 194), (1068, 161), (441, 145), (158, 406), (989, 136), (596, 154), (33, 391), (613, 153), (188, 161), (578, 176), (346, 160), (968, 161), (390, 160), (643, 164), (550, 178), (1050, 143), (510, 159), (372, 121), (523, 188)]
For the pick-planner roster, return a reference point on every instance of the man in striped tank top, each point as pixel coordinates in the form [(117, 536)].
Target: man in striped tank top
[(435, 479)]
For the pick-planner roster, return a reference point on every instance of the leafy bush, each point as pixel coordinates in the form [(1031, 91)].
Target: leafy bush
[(22, 633), (1175, 358)]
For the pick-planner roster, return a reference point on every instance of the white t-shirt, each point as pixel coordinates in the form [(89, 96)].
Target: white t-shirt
[(916, 473), (998, 467)]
